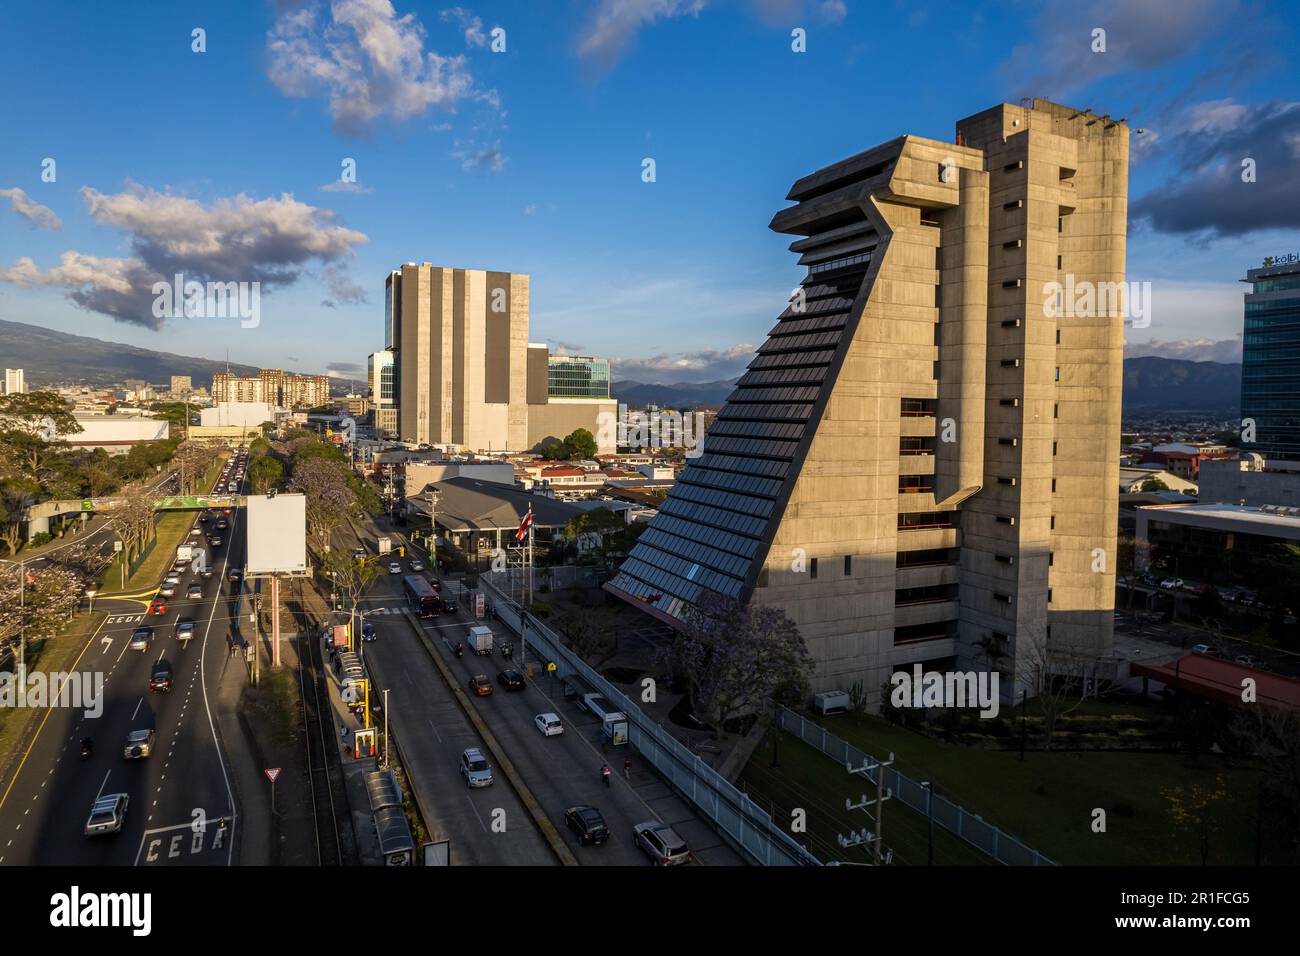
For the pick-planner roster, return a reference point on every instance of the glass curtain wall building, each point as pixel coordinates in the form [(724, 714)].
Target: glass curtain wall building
[(1270, 359)]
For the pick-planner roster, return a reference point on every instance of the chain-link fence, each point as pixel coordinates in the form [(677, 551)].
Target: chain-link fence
[(977, 832)]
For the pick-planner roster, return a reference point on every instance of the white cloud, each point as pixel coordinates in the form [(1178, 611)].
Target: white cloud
[(474, 156), (616, 23), (339, 186), (42, 217), (1195, 350), (472, 25), (672, 368), (367, 60), (235, 239)]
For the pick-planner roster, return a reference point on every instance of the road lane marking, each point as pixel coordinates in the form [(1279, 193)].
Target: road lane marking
[(102, 785)]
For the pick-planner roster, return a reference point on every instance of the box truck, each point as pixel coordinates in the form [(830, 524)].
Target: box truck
[(480, 639), (385, 545)]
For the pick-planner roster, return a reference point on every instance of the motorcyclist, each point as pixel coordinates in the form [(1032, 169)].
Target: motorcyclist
[(87, 745), (458, 649), (605, 773)]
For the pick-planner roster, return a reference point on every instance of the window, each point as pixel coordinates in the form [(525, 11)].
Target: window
[(1049, 595), (1051, 559), (930, 594), (1052, 525), (1058, 263), (1005, 519), (1058, 336), (915, 484), (1002, 598), (1011, 167), (812, 569), (916, 406), (1053, 485), (916, 445), (1058, 373), (1011, 324), (1014, 204), (927, 558), (1009, 402), (1004, 559), (919, 520), (1011, 363), (848, 565), (1056, 409), (1013, 244), (1011, 284), (1053, 449), (1007, 481), (1009, 442)]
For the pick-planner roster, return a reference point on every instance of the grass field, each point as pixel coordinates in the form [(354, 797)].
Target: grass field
[(1047, 801)]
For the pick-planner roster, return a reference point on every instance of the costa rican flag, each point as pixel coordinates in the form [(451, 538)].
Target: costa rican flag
[(525, 525)]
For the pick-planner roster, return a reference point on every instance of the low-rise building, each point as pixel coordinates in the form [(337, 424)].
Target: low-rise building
[(1219, 543), (1251, 480), (117, 434)]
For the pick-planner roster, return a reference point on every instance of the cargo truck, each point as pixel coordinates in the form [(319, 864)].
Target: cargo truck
[(385, 545), (480, 639)]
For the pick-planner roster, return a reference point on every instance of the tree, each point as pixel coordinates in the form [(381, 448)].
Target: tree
[(580, 444), (1061, 676), (591, 631), (15, 495), (600, 525), (554, 451), (737, 659), (329, 499), (1153, 484), (47, 598), (32, 428), (348, 575), (1192, 808), (1271, 737), (1126, 565), (264, 473)]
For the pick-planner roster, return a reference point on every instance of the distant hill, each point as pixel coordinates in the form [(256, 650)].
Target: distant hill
[(1153, 384), (48, 357), (680, 395)]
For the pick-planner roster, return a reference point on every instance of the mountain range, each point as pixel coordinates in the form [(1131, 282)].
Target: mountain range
[(1151, 384)]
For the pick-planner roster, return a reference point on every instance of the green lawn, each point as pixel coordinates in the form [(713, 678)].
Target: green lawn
[(1048, 800)]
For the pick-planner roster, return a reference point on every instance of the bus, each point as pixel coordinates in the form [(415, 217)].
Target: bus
[(421, 598)]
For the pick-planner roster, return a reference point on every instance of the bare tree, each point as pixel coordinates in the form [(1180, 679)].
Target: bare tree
[(1061, 677), (737, 658)]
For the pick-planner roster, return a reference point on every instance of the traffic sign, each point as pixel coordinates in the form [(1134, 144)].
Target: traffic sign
[(550, 667), (272, 773)]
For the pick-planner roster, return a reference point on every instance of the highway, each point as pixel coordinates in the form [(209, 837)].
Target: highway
[(180, 792), (560, 771)]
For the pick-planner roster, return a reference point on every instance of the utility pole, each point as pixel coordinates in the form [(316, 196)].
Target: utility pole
[(386, 728), (865, 837)]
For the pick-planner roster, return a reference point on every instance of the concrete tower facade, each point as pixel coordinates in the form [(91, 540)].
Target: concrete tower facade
[(920, 463)]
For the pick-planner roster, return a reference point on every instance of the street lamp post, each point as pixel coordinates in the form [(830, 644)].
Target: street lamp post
[(90, 594)]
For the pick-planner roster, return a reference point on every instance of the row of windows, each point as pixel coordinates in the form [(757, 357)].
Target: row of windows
[(1276, 285), (791, 431), (799, 343), (917, 520), (929, 557), (929, 594), (712, 515), (731, 481), (764, 467), (712, 537), (752, 446), (746, 410), (741, 504), (791, 359), (706, 557), (676, 575), (862, 260), (784, 376), (766, 393)]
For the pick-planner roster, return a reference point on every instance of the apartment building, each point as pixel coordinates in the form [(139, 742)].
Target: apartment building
[(920, 463), (273, 386)]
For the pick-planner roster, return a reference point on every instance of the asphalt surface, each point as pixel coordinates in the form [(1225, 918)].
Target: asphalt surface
[(180, 792), (561, 770)]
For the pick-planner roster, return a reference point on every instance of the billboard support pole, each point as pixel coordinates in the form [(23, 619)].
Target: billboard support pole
[(275, 621)]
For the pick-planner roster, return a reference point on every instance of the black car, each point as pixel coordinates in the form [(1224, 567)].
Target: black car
[(223, 524), (511, 679), (236, 575), (448, 607), (587, 823), (161, 676)]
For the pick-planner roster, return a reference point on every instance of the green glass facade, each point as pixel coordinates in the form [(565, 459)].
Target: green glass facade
[(577, 376), (1270, 360)]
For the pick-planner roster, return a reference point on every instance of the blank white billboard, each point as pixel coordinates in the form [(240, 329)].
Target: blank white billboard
[(277, 534)]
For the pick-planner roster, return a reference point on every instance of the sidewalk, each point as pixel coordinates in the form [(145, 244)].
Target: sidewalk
[(252, 799)]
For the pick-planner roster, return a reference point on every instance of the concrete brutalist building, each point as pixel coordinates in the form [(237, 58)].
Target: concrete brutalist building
[(923, 456)]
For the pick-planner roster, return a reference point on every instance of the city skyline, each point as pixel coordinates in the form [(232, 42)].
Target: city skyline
[(536, 153)]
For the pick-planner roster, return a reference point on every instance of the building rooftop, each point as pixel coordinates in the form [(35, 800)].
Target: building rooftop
[(1268, 519), (469, 504)]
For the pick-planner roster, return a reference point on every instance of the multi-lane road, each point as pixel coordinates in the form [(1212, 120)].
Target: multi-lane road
[(182, 808), (489, 825)]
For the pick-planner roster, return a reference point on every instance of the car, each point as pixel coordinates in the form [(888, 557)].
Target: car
[(358, 554), (224, 511), (185, 629), (235, 575), (435, 584), (167, 590), (587, 823), (214, 540), (222, 524), (417, 565), (549, 724), (1199, 589), (139, 744), (480, 685), (394, 568), (141, 638), (661, 843), (193, 591), (160, 678), (448, 607), (107, 814), (511, 679), (1246, 660), (158, 606), (475, 768), (368, 632), (172, 578), (1171, 584), (195, 532), (1200, 649), (205, 518)]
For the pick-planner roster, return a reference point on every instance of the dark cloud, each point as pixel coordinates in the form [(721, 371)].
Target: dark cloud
[(1208, 198), (348, 367)]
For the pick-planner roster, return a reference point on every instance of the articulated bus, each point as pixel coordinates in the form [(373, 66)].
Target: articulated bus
[(421, 597)]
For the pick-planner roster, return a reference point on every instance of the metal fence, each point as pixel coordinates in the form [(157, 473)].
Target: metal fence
[(980, 834), (731, 811)]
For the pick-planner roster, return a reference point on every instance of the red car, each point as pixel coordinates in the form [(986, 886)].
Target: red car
[(158, 606)]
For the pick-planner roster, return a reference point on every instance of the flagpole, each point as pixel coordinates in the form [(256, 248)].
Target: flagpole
[(530, 555)]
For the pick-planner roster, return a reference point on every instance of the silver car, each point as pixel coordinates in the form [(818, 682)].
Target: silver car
[(475, 768), (139, 744), (108, 814)]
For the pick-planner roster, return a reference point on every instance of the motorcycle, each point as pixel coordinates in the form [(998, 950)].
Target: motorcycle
[(506, 651), (87, 747), (605, 774), (458, 649)]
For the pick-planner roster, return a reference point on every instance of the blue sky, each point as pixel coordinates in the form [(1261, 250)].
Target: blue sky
[(530, 159)]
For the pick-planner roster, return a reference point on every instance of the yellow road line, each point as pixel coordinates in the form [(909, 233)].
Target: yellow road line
[(49, 710)]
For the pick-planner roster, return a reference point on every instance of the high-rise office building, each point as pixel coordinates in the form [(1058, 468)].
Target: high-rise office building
[(1270, 359), (461, 342), (577, 376), (14, 381), (181, 384), (383, 394), (920, 464)]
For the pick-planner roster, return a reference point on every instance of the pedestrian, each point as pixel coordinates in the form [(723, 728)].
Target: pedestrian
[(627, 768)]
